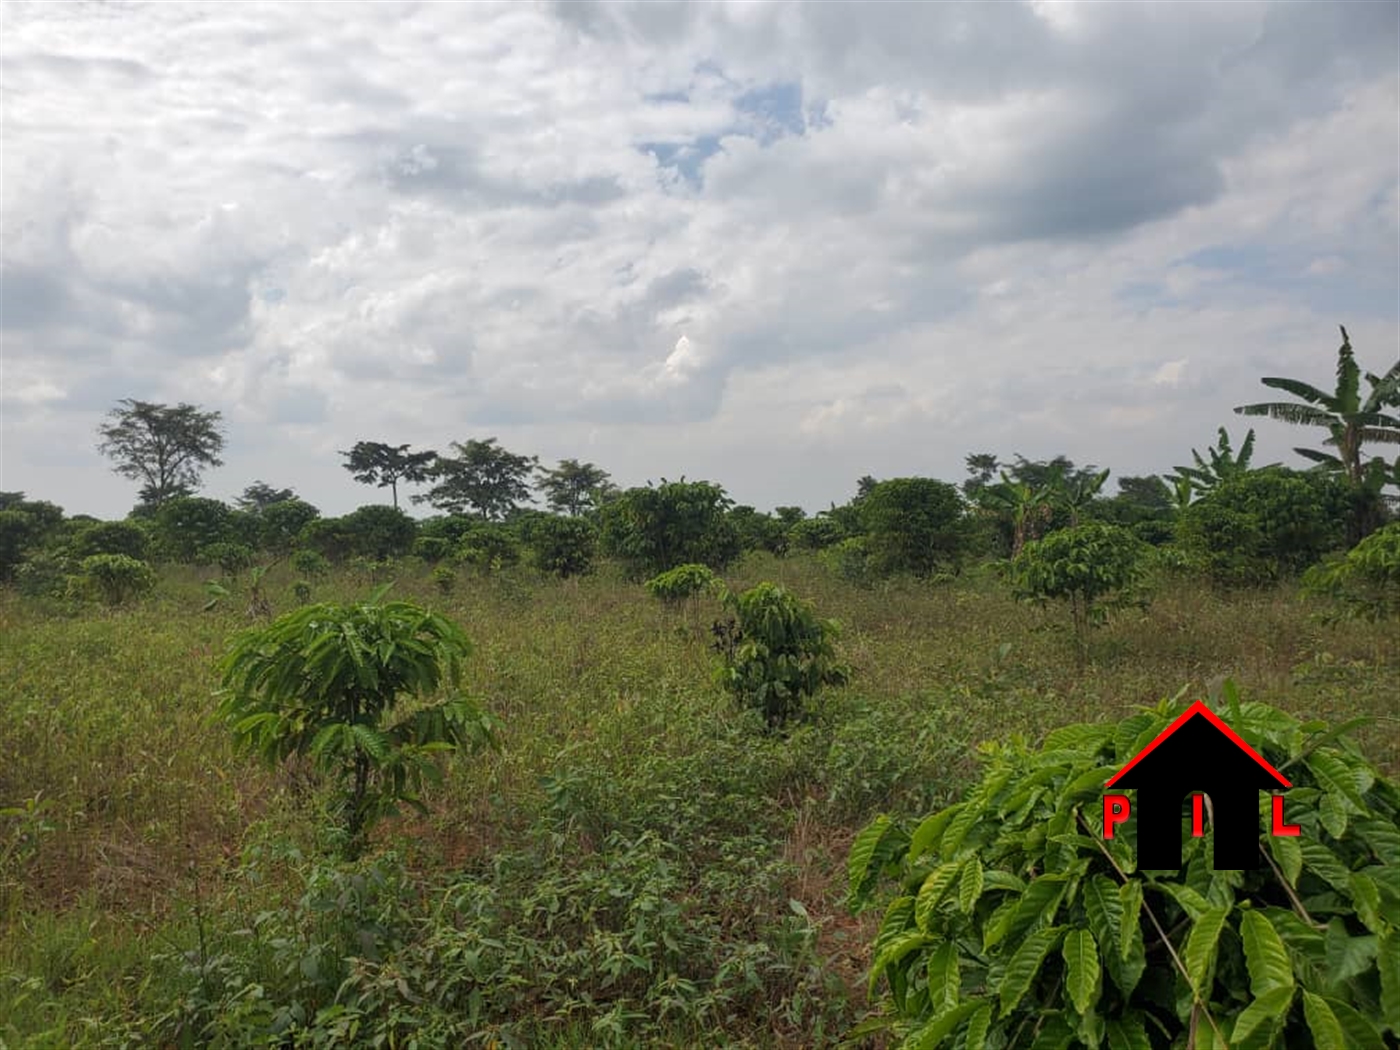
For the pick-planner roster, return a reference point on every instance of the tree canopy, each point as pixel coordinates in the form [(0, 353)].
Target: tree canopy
[(164, 447), (375, 463), (482, 479)]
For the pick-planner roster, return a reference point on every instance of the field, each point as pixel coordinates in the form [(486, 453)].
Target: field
[(638, 863)]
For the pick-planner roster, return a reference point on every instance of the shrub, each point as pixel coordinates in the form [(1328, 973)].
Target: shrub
[(18, 531), (373, 531), (914, 525), (324, 682), (432, 549), (311, 564), (1015, 924), (850, 560), (684, 581), (444, 579), (560, 546), (114, 578), (111, 537), (1365, 582), (781, 655), (1262, 526), (301, 590), (816, 534), (653, 529), (280, 525), (231, 558), (489, 547), (1081, 565), (187, 524)]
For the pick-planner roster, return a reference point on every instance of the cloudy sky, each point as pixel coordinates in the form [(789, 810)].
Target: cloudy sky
[(775, 245)]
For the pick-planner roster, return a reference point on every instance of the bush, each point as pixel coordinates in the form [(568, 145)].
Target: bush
[(489, 547), (914, 525), (281, 525), (444, 579), (781, 655), (432, 549), (684, 581), (114, 578), (325, 682), (675, 523), (816, 534), (311, 564), (375, 531), (18, 531), (1081, 565), (1262, 526), (1015, 924), (187, 524), (111, 537), (850, 560), (231, 558), (1365, 582), (560, 546)]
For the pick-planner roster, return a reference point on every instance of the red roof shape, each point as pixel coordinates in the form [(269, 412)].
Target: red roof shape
[(1199, 708)]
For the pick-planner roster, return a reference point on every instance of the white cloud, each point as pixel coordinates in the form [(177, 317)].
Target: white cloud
[(863, 239)]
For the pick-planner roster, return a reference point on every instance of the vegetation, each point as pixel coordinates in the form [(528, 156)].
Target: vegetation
[(1015, 923), (375, 463), (166, 448), (483, 480), (324, 683), (1365, 582), (656, 528)]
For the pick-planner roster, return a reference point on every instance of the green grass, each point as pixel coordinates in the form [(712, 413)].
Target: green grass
[(144, 828)]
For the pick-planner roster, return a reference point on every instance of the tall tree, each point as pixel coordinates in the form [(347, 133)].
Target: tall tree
[(482, 479), (165, 447), (258, 496), (1350, 421), (375, 463), (572, 487)]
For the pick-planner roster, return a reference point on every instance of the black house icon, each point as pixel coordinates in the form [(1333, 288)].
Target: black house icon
[(1198, 752)]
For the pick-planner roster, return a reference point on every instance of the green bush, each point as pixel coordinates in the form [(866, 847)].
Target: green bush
[(18, 532), (850, 560), (816, 534), (114, 578), (1014, 924), (231, 558), (914, 525), (1365, 582), (432, 549), (677, 585), (374, 531), (311, 564), (1263, 526), (560, 546), (187, 524), (489, 547), (444, 579), (656, 528), (1083, 566), (111, 537), (280, 525), (781, 655), (326, 681)]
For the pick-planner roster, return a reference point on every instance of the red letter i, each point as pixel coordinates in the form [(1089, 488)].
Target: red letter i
[(1198, 816)]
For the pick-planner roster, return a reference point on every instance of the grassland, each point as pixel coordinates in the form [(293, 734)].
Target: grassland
[(136, 841)]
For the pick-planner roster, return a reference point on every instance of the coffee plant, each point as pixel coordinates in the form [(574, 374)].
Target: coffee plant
[(1013, 922), (1365, 583), (778, 653), (326, 682), (114, 578)]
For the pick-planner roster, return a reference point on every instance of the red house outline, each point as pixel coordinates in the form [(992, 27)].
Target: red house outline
[(1199, 708)]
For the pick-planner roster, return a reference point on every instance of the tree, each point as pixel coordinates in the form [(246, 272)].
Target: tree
[(483, 479), (914, 525), (167, 448), (326, 681), (982, 466), (373, 531), (281, 524), (1224, 464), (1080, 565), (186, 525), (1351, 422), (677, 522), (258, 496), (562, 546), (572, 487), (375, 463)]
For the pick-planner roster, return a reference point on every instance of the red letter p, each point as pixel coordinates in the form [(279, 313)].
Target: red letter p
[(1115, 811)]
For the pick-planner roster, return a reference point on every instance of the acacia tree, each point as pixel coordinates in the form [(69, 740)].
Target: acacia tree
[(1350, 422), (375, 463), (258, 496), (483, 479), (572, 487), (164, 447)]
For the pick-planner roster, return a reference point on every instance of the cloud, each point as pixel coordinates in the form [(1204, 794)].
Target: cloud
[(862, 239)]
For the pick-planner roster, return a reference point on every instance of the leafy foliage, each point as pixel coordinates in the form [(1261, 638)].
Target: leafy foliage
[(115, 578), (656, 528), (482, 479), (280, 525), (373, 531), (326, 682), (111, 537), (572, 487), (187, 524), (1261, 526), (560, 546), (1082, 566), (1365, 582), (913, 525), (1015, 924), (166, 448), (684, 581), (1224, 465), (817, 533), (375, 463), (782, 655)]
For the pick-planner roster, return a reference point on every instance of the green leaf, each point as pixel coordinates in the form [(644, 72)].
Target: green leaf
[(1130, 895), (977, 1027), (1289, 857), (930, 831), (1021, 971), (934, 889), (932, 1035), (1388, 961), (1321, 861), (1271, 1006), (893, 952), (1332, 813), (1201, 945), (1264, 955), (1367, 897), (1128, 1033), (944, 981), (1104, 907), (1361, 1033), (1326, 1030), (1081, 969), (1346, 956), (1336, 778), (970, 885), (863, 852)]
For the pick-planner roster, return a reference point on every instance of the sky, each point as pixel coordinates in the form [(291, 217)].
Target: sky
[(774, 245)]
